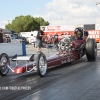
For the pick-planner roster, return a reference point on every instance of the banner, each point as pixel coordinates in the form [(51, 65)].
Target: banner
[(94, 34), (59, 28)]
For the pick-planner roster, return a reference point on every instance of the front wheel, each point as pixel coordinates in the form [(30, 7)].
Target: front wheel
[(41, 64), (4, 61), (91, 49)]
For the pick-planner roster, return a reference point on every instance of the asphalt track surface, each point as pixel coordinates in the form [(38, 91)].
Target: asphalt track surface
[(79, 80)]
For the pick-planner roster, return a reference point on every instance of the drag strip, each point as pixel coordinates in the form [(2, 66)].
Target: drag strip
[(36, 84), (70, 81)]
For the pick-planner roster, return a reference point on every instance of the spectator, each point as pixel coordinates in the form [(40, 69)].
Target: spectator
[(65, 35), (62, 36), (39, 38), (34, 41), (56, 40), (51, 39), (1, 36), (46, 39)]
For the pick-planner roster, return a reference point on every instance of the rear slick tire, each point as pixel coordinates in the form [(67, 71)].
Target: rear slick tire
[(91, 49)]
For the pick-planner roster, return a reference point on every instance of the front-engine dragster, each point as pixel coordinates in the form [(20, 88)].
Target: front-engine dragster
[(70, 48), (79, 43)]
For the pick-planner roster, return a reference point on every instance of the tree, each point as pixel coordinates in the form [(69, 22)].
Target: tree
[(26, 23), (41, 21)]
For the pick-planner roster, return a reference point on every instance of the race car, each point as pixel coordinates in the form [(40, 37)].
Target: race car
[(70, 48)]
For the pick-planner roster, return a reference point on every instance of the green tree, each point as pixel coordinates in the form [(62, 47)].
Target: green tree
[(26, 23), (41, 22)]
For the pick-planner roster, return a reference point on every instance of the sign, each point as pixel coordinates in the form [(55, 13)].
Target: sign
[(59, 28), (70, 29), (94, 34)]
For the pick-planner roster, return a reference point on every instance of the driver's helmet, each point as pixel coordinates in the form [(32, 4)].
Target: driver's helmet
[(79, 32)]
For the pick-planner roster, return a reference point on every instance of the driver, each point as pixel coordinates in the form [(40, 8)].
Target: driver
[(81, 36), (80, 33)]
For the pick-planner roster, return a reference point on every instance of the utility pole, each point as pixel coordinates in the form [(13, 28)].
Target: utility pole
[(8, 21)]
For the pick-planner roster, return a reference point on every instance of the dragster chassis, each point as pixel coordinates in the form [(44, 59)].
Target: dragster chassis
[(40, 63), (36, 62)]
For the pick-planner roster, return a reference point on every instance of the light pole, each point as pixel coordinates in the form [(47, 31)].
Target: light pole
[(8, 21)]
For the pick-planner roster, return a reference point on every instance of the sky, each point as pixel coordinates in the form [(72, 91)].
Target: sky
[(56, 12)]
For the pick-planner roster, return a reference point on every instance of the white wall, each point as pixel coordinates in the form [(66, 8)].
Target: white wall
[(12, 48)]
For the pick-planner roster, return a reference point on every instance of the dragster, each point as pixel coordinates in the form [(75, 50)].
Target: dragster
[(69, 49)]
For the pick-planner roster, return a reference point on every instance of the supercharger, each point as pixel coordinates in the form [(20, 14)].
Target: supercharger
[(66, 44)]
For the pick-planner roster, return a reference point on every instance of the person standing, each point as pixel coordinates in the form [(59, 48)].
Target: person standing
[(34, 39), (39, 38), (56, 40), (1, 36)]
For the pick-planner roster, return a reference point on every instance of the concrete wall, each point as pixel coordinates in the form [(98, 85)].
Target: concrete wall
[(13, 48)]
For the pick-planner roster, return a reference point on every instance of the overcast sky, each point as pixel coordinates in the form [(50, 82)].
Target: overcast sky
[(57, 12)]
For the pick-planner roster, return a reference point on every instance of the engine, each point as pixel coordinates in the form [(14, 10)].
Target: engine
[(66, 44)]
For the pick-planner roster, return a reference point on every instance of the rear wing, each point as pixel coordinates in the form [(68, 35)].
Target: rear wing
[(23, 58)]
